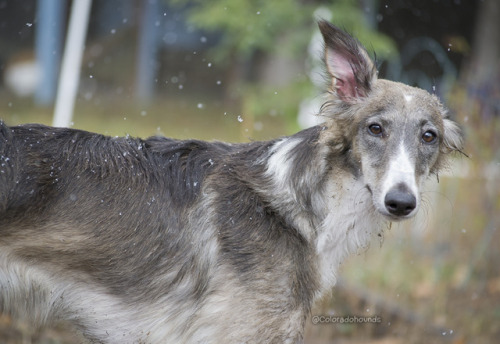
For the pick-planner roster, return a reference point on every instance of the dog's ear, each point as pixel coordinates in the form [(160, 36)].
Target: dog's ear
[(352, 70), (453, 137)]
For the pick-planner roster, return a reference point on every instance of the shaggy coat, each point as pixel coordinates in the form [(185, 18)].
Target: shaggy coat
[(167, 241)]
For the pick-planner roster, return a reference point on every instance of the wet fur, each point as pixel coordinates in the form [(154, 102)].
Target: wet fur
[(160, 240)]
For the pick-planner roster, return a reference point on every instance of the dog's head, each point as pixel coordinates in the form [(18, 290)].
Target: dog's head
[(395, 135)]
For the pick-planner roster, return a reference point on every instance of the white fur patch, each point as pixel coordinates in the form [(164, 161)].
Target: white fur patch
[(278, 165), (348, 227), (279, 169), (401, 170)]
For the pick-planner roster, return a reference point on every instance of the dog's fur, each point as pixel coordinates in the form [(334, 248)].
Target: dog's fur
[(165, 241)]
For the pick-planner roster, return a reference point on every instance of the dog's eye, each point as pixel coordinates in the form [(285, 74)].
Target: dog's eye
[(375, 129), (429, 136)]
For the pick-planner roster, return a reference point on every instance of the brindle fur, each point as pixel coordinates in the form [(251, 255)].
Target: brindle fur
[(160, 240)]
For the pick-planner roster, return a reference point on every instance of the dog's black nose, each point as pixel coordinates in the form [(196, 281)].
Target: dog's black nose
[(400, 202)]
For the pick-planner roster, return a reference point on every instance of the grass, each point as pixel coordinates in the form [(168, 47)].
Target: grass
[(181, 118)]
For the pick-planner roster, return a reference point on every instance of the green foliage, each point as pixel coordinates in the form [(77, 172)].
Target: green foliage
[(277, 27), (261, 25), (247, 26)]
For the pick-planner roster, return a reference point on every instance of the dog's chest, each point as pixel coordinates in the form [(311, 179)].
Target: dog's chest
[(347, 228)]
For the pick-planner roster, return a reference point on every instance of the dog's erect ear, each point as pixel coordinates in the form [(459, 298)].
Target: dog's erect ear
[(347, 61)]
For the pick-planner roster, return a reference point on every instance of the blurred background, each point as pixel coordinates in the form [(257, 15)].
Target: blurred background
[(251, 70)]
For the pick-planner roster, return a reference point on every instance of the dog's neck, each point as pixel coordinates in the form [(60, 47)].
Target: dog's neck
[(324, 200)]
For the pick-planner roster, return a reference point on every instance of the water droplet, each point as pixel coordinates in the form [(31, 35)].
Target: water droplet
[(200, 106), (29, 24), (113, 31), (209, 64), (144, 113), (203, 39), (240, 119), (218, 82)]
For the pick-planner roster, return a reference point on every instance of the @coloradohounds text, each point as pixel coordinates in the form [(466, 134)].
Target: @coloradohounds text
[(349, 319)]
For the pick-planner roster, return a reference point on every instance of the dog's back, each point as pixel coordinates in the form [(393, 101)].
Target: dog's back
[(139, 236)]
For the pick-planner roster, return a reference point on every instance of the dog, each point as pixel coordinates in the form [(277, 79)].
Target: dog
[(166, 241)]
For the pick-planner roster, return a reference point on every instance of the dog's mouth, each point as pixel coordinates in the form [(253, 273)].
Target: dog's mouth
[(396, 218)]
